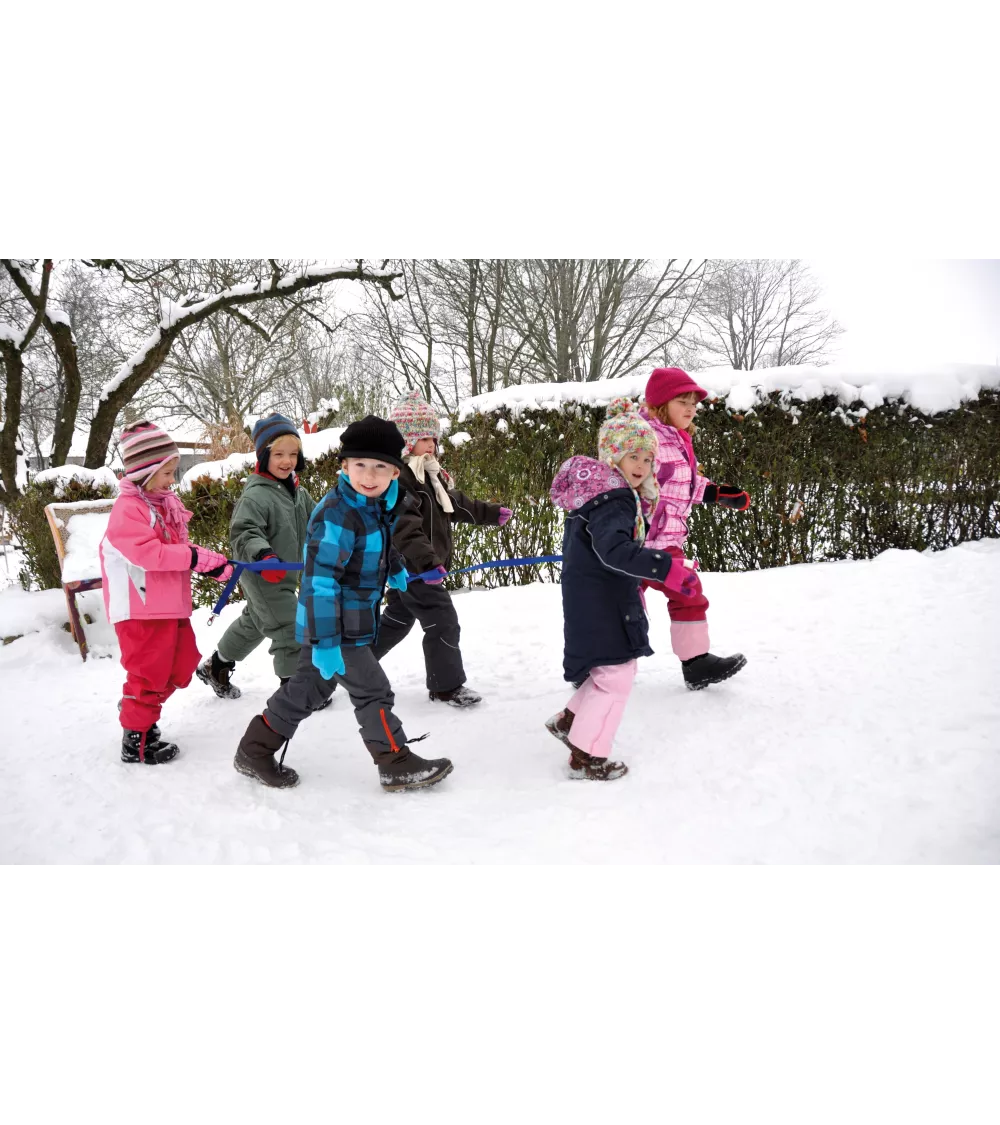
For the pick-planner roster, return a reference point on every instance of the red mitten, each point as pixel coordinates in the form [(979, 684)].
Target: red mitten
[(272, 575)]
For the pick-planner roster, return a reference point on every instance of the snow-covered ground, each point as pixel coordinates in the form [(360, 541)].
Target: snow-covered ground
[(865, 729)]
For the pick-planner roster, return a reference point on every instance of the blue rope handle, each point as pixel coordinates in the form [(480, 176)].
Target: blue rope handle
[(277, 564)]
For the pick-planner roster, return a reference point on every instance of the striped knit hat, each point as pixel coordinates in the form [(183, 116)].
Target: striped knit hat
[(416, 419), (266, 432), (144, 449), (624, 431)]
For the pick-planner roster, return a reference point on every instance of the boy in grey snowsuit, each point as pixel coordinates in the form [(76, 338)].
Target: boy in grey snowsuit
[(269, 521)]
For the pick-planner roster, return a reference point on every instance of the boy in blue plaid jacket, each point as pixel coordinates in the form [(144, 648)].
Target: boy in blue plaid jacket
[(349, 559)]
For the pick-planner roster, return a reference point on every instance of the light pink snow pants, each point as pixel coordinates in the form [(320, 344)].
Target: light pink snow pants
[(598, 706)]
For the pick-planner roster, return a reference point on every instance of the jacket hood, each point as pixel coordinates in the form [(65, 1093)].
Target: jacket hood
[(581, 479)]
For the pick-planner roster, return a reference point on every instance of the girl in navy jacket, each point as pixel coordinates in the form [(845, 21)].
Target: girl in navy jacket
[(604, 561)]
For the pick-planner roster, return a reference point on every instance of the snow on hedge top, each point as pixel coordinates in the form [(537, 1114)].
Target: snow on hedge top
[(929, 390), (236, 464), (62, 475)]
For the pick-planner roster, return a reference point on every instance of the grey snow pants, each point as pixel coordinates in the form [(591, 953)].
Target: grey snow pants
[(363, 680)]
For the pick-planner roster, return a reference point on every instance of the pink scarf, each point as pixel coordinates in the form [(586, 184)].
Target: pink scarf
[(165, 506)]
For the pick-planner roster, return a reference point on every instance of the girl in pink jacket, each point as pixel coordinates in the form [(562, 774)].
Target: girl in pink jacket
[(146, 564), (672, 398)]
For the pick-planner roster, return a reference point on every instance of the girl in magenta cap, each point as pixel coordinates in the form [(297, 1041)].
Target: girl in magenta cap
[(672, 398)]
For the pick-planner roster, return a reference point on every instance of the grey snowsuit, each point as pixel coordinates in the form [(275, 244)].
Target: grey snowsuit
[(269, 518)]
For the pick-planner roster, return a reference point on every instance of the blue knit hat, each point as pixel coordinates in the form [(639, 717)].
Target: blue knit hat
[(266, 432)]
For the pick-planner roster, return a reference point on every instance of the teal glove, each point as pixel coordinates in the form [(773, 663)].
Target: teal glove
[(328, 661), (398, 581)]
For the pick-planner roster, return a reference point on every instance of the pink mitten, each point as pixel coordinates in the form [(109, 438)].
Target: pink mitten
[(505, 514), (437, 581), (208, 562), (682, 577), (226, 574)]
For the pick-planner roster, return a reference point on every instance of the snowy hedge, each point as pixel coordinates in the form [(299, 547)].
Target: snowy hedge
[(839, 465), (834, 473)]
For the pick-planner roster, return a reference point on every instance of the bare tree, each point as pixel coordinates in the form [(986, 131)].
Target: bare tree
[(764, 312), (589, 319), (159, 302), (14, 343)]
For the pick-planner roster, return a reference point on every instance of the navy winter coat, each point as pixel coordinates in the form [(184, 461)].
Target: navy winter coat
[(604, 621)]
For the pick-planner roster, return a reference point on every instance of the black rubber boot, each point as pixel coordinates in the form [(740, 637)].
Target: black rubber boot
[(700, 671), (457, 697), (216, 672), (255, 756), (402, 769), (142, 746)]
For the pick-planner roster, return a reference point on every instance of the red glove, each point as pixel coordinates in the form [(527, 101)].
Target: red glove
[(272, 575), (727, 497)]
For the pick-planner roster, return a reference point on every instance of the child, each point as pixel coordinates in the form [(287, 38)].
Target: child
[(604, 560), (423, 537), (348, 560), (269, 522), (146, 564), (672, 399)]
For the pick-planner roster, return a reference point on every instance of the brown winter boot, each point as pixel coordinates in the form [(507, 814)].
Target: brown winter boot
[(558, 725), (255, 756), (402, 769), (585, 767)]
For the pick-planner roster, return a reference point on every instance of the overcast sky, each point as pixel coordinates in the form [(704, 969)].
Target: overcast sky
[(913, 311)]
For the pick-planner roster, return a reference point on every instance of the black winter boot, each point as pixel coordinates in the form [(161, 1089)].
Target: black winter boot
[(143, 746), (457, 697), (402, 769), (216, 672), (586, 767), (700, 671), (255, 756)]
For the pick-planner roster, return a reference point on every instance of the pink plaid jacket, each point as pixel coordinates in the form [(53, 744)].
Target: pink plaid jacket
[(680, 486)]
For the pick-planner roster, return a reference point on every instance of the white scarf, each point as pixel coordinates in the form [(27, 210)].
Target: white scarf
[(426, 464)]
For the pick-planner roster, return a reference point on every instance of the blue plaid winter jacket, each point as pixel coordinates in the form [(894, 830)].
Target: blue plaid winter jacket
[(348, 559)]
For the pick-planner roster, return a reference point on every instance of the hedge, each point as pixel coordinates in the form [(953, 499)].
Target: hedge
[(864, 481)]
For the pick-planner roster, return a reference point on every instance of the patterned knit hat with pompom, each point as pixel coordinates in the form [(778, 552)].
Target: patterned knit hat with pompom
[(416, 419), (624, 431)]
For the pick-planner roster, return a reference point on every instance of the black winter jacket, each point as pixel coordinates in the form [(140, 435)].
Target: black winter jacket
[(423, 534)]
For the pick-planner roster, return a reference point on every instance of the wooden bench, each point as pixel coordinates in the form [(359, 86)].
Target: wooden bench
[(77, 530)]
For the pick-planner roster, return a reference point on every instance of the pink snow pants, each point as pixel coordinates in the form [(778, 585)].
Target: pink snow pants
[(598, 706), (688, 624)]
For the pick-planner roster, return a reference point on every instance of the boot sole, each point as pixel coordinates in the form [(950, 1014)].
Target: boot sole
[(247, 772), (582, 775), (150, 761), (717, 679), (418, 784), (232, 692)]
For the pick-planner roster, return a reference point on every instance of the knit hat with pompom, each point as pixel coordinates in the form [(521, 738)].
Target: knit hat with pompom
[(416, 419), (624, 431)]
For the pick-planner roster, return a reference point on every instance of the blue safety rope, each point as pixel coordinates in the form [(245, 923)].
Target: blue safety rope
[(277, 564)]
